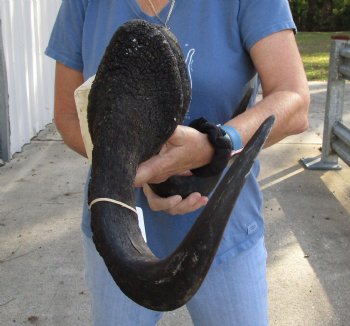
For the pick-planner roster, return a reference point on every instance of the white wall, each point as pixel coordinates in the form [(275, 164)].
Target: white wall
[(26, 27)]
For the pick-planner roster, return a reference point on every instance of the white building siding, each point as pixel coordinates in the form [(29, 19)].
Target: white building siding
[(26, 27)]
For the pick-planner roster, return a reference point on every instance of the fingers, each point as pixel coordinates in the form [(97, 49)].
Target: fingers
[(186, 149), (186, 173), (174, 205), (158, 168), (161, 166), (190, 204), (157, 203), (150, 170)]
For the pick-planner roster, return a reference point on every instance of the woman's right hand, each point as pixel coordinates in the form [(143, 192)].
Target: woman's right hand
[(67, 80)]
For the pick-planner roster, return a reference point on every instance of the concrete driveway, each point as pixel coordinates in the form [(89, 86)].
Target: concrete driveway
[(307, 219)]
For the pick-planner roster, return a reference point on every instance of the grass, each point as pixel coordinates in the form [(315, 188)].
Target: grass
[(314, 48)]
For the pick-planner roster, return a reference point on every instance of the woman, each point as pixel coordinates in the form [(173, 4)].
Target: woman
[(226, 44)]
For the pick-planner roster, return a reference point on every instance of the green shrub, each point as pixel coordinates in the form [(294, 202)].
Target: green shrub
[(321, 15)]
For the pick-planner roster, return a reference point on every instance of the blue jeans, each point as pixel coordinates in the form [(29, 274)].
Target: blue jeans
[(233, 293)]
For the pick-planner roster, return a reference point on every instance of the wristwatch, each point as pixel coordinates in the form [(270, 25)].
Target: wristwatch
[(234, 137)]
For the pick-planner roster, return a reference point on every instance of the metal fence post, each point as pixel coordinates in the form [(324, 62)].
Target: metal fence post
[(338, 73)]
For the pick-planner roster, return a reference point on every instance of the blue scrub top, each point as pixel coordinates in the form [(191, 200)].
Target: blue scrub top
[(215, 37)]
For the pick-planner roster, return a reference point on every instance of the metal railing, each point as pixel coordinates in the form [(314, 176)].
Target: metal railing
[(336, 136)]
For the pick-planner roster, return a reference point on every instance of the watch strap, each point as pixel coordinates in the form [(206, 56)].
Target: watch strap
[(235, 138)]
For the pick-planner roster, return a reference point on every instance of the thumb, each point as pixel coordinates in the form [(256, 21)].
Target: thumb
[(178, 137), (148, 170)]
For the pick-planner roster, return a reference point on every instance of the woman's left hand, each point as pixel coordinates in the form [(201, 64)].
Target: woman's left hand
[(174, 205), (186, 149)]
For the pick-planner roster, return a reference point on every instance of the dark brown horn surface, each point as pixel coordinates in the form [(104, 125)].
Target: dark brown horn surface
[(140, 94)]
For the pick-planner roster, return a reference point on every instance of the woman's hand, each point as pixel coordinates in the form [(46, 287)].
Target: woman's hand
[(66, 116), (174, 205), (186, 149)]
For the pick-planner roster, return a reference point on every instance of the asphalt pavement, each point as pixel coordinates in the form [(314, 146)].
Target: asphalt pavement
[(307, 220)]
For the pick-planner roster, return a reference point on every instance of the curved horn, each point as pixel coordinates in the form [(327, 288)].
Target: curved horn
[(135, 103), (243, 104), (169, 283)]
